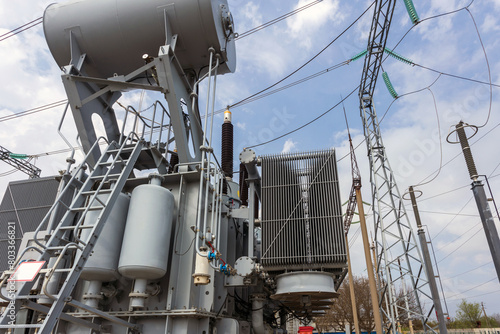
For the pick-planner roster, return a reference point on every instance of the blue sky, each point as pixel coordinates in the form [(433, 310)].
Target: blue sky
[(413, 134)]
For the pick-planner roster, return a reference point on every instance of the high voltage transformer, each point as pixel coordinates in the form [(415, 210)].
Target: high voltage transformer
[(148, 234)]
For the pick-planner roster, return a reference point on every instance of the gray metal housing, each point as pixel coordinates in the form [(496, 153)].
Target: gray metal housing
[(115, 34)]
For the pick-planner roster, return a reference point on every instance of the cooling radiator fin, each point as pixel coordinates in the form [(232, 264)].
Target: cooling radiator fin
[(301, 212)]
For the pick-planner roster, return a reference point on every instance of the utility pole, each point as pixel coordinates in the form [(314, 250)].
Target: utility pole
[(487, 320), (482, 202), (428, 266)]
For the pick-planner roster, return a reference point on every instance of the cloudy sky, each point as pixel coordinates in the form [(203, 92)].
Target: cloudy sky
[(414, 126)]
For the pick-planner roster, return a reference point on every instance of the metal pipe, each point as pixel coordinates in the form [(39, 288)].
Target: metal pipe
[(258, 314), (251, 218), (203, 156)]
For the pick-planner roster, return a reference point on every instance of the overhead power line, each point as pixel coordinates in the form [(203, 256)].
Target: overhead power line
[(20, 29), (307, 62), (33, 110), (278, 19)]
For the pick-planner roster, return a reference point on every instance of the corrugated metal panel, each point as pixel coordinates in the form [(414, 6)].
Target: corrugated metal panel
[(301, 212), (33, 199), (30, 193)]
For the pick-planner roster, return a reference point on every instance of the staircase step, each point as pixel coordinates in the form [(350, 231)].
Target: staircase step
[(101, 177), (92, 208), (22, 326), (123, 150), (92, 192), (109, 163), (81, 227)]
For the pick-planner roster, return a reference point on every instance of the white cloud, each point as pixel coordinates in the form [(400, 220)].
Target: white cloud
[(288, 146), (241, 125), (490, 24), (305, 25)]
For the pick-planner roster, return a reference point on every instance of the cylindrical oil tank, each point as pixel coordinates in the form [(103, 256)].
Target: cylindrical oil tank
[(146, 241), (115, 34), (102, 264)]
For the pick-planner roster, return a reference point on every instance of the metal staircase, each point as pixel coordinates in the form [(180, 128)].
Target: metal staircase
[(113, 169)]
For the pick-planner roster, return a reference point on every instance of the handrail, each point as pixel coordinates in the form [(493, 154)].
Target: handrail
[(151, 124), (64, 191)]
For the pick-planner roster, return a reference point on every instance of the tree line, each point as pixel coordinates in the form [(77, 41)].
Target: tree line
[(468, 315)]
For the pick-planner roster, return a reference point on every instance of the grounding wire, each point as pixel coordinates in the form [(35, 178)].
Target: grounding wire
[(307, 62)]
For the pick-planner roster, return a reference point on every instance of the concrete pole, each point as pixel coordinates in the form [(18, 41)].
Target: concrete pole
[(431, 278), (369, 266), (351, 288)]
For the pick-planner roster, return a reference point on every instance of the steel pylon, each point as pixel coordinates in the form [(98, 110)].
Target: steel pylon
[(398, 257)]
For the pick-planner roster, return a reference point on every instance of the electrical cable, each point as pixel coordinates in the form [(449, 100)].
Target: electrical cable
[(461, 235), (487, 65), (276, 20), (468, 271), (425, 19), (456, 249), (423, 182), (33, 110), (277, 90), (19, 29), (307, 62), (448, 213), (306, 124), (483, 294), (477, 286)]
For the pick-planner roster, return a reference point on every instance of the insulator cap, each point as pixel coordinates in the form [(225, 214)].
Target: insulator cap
[(227, 116)]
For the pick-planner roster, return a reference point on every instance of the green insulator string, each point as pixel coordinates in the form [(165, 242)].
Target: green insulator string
[(399, 57), (18, 156), (389, 85), (411, 11), (359, 55)]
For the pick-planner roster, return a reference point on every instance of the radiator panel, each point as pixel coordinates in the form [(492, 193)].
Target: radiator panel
[(301, 212)]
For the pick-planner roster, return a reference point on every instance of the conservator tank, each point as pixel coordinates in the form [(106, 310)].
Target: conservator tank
[(115, 34)]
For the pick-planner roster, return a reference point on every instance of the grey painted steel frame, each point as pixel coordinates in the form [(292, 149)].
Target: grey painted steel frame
[(392, 227), (88, 96)]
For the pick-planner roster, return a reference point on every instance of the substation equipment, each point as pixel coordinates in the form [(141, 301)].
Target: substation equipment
[(148, 234)]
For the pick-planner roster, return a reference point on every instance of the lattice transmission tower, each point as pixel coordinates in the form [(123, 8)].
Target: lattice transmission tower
[(398, 258)]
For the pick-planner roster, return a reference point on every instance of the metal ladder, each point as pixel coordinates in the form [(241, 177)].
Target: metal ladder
[(115, 165)]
